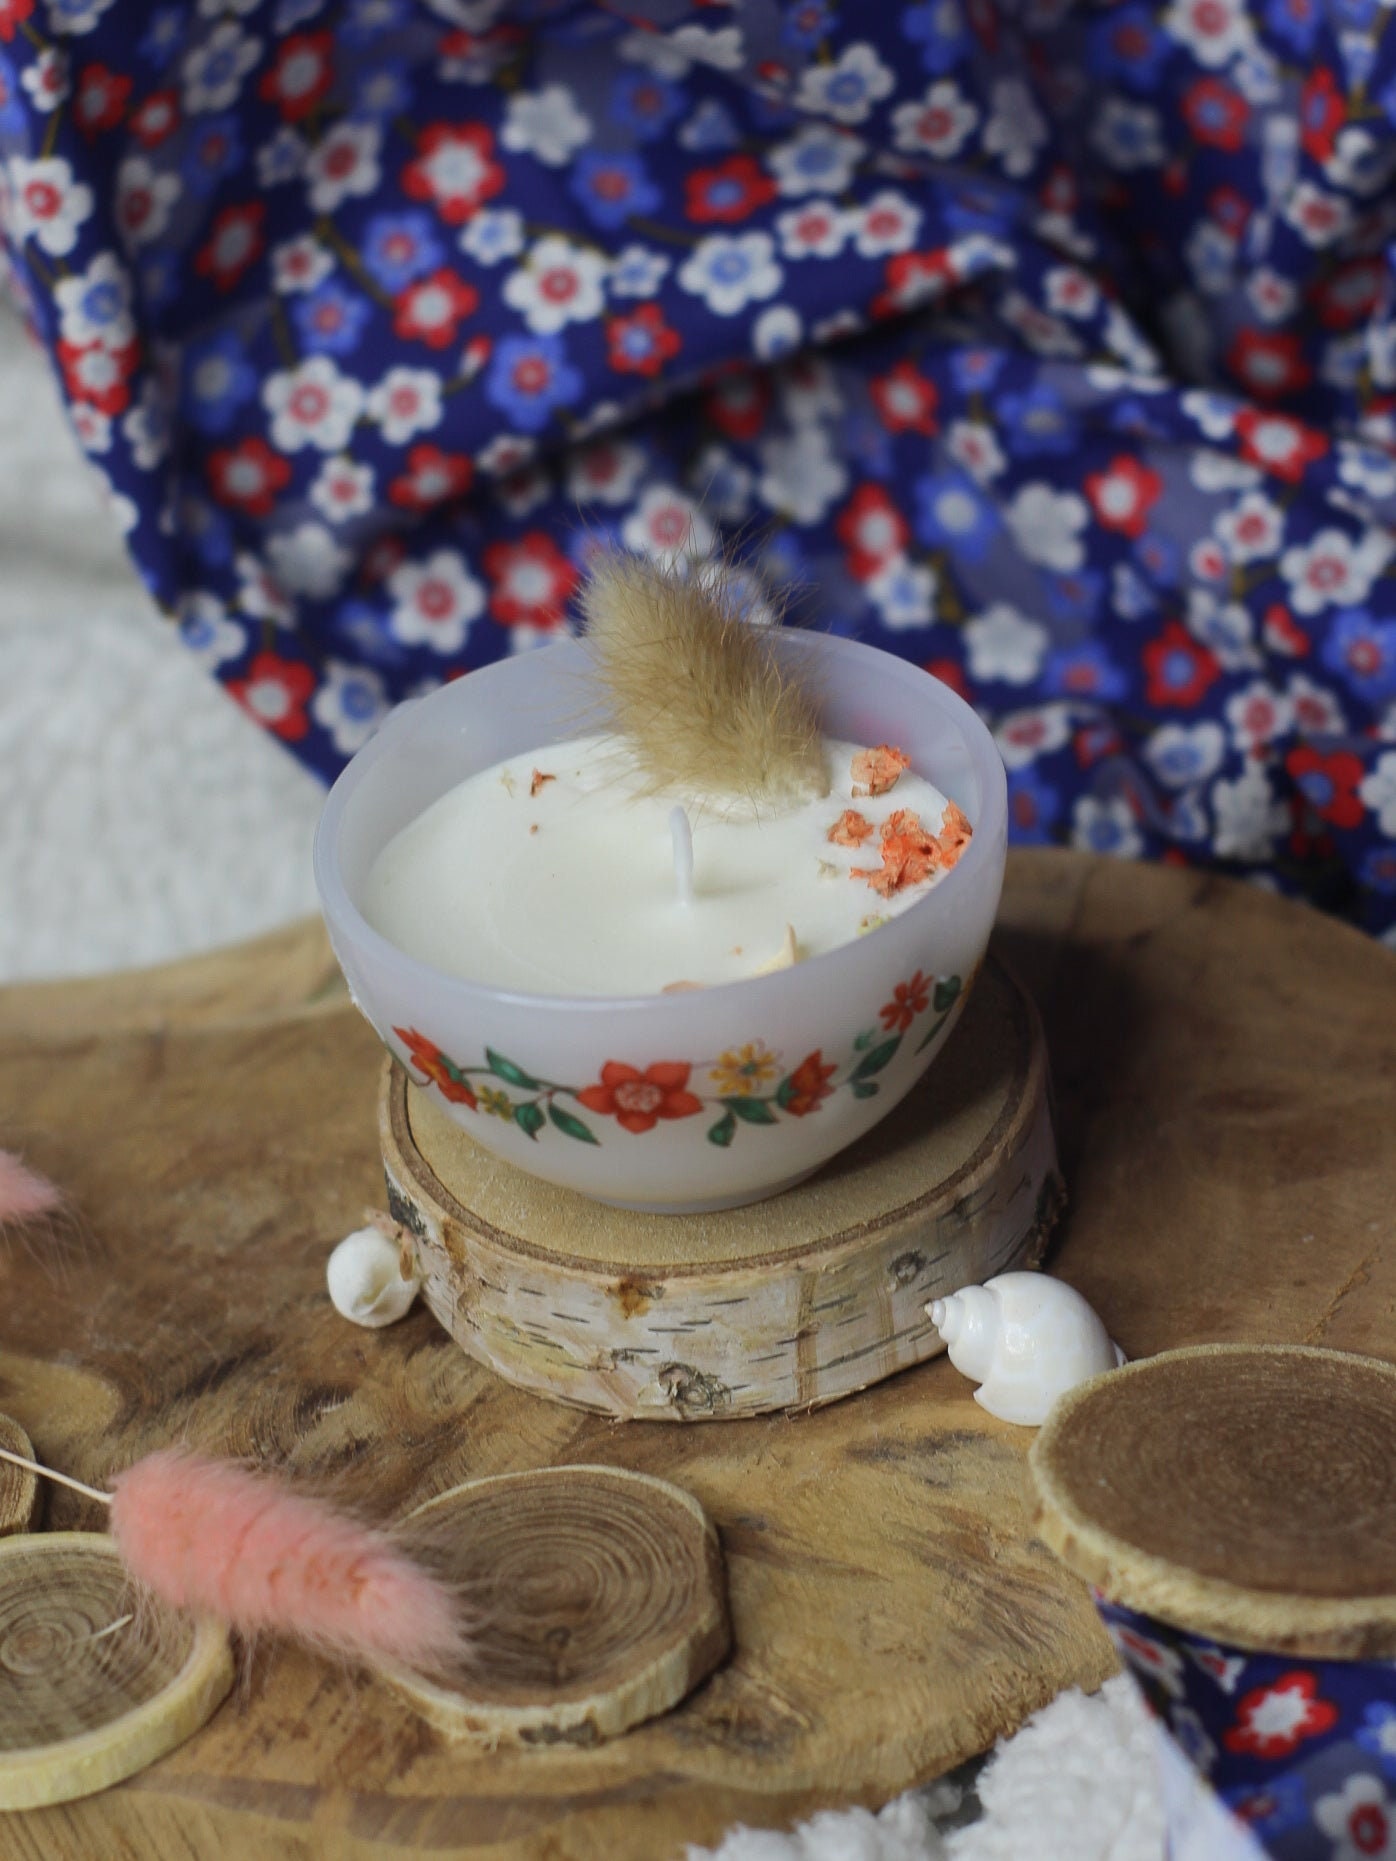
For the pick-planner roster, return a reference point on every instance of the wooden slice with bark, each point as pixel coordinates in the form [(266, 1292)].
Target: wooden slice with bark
[(21, 1495)]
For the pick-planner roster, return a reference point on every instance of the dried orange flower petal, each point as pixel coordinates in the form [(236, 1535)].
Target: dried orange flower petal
[(875, 771), (850, 829)]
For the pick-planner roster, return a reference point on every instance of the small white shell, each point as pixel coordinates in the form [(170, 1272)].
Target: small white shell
[(366, 1279), (1026, 1339)]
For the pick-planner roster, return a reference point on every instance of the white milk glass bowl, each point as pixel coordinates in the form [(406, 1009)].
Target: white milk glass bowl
[(847, 1034)]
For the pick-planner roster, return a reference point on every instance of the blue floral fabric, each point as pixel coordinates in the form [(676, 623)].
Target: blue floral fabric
[(1051, 346), (1302, 1753)]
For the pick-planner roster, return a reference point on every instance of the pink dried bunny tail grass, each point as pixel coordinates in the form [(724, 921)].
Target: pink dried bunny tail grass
[(24, 1194), (220, 1539)]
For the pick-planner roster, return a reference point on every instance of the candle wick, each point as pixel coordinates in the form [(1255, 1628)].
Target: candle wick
[(681, 832)]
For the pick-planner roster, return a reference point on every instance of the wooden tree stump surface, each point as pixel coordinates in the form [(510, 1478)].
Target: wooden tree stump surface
[(787, 1303), (95, 1682), (1224, 1067), (21, 1495), (1243, 1491), (600, 1598)]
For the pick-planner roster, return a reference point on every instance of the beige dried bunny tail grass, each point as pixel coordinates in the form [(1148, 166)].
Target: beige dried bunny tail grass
[(696, 690)]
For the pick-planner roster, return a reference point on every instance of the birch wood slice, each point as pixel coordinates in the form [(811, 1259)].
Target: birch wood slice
[(790, 1303), (94, 1686), (1246, 1492), (602, 1601), (21, 1496)]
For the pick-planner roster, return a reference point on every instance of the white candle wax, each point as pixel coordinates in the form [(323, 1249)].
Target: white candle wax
[(551, 874)]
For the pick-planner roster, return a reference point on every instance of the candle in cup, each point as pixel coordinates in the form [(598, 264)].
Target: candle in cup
[(562, 873)]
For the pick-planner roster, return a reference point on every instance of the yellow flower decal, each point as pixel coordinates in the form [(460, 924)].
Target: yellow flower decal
[(497, 1104), (739, 1073)]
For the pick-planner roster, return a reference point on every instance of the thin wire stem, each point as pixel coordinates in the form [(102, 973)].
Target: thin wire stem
[(47, 1473)]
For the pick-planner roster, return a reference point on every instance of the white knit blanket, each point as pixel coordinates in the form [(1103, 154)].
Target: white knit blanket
[(145, 818)]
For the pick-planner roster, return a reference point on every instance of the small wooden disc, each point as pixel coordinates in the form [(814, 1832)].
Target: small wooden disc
[(21, 1495), (95, 1683), (602, 1599), (1241, 1491), (787, 1303)]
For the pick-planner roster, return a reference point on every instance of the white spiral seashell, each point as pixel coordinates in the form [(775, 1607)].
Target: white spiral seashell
[(1026, 1339), (366, 1279)]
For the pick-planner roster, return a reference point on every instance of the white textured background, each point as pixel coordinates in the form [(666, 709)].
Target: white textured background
[(143, 817)]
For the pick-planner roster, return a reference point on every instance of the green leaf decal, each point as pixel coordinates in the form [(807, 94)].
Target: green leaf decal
[(931, 1033), (751, 1111), (570, 1126), (529, 1119), (947, 990), (721, 1133), (514, 1075), (786, 1091), (875, 1061), (864, 1089), (865, 1039)]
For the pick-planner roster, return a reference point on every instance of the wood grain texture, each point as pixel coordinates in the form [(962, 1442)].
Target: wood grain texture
[(1223, 1067), (787, 1303), (601, 1601), (95, 1682), (1246, 1492), (21, 1494)]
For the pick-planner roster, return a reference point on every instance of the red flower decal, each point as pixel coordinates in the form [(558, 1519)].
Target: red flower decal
[(1270, 363), (1328, 783), (531, 581), (428, 1059), (432, 477), (302, 74), (641, 343), (99, 375), (248, 476), (430, 309), (1272, 1721), (1322, 112), (913, 278), (232, 245), (100, 100), (12, 15), (807, 1086), (1278, 444), (1180, 670), (455, 169), (1123, 495), (274, 694), (731, 191), (1216, 114), (638, 1100), (738, 405), (909, 999), (150, 122), (872, 530), (905, 400)]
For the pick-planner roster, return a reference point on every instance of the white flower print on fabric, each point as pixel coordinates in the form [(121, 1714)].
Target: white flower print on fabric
[(638, 271), (343, 164), (818, 159), (1258, 714), (281, 159), (91, 428), (350, 704), (1317, 216), (47, 204), (213, 72), (1005, 645), (801, 476), (667, 525), (887, 223), (1333, 571), (299, 265), (545, 124), (606, 472), (848, 88), (904, 593), (1214, 31), (730, 271), (1251, 529), (670, 54), (1129, 135), (342, 490), (815, 229), (492, 235), (308, 561), (259, 592), (1182, 754), (1219, 471), (70, 18), (95, 305), (777, 332), (1047, 526), (1249, 816), (1378, 791), (1023, 736), (1016, 129), (1106, 825), (313, 405), (1359, 1819), (405, 401), (208, 632), (46, 80), (974, 445), (939, 125), (434, 602), (557, 284)]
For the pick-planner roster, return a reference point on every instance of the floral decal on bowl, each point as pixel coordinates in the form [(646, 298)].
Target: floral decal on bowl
[(747, 1084)]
